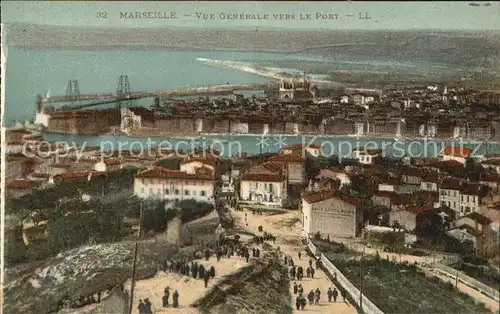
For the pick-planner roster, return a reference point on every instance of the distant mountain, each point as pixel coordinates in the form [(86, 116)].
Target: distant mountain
[(450, 47)]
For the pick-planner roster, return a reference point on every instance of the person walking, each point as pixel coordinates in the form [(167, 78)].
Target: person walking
[(141, 307), (300, 290), (175, 299), (310, 297), (205, 278), (299, 255), (318, 296), (329, 293), (308, 271), (312, 272), (344, 294), (335, 294), (303, 303), (166, 295), (310, 263), (298, 302), (147, 306), (295, 288), (212, 271)]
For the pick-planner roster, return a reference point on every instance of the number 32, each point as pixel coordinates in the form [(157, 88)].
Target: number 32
[(102, 15)]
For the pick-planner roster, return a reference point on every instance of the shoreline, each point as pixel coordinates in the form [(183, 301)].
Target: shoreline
[(226, 137)]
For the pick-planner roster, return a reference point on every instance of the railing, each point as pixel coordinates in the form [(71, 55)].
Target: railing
[(471, 282), (368, 306)]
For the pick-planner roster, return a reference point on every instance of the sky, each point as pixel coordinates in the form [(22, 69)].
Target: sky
[(383, 15)]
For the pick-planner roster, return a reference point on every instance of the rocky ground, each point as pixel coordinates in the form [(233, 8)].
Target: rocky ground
[(260, 287), (40, 287)]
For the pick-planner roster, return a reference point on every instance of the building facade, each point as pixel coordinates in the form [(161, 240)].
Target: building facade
[(164, 184), (331, 214)]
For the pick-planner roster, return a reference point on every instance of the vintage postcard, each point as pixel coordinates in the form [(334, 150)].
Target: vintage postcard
[(250, 157)]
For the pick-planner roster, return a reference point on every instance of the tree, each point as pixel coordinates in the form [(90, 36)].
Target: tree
[(169, 163), (154, 216), (191, 209)]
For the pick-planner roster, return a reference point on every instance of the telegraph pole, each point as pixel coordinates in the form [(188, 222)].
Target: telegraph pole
[(132, 285)]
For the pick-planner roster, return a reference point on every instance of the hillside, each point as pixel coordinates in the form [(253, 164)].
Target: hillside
[(460, 48)]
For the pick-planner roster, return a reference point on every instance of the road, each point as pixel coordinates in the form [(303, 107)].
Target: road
[(289, 242)]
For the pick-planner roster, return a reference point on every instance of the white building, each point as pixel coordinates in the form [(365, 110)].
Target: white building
[(464, 198), (302, 150), (430, 183), (449, 194), (191, 163), (331, 214), (335, 173), (492, 164), (164, 184), (456, 153), (293, 167), (108, 165), (367, 155), (264, 184), (129, 120)]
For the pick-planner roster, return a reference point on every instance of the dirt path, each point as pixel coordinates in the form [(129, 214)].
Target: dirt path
[(189, 289), (288, 240)]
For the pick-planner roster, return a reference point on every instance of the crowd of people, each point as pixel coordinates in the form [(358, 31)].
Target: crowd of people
[(314, 296), (197, 270)]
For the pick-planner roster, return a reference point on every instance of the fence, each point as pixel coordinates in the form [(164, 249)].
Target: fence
[(471, 282), (368, 306)]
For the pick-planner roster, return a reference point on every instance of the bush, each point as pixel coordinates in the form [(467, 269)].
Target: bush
[(317, 236), (191, 209)]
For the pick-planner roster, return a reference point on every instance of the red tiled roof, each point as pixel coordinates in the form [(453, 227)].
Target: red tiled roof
[(318, 197), (20, 185), (491, 162), (271, 166), (324, 195), (431, 178), (23, 131), (451, 184), (413, 172), (263, 177), (447, 165), (483, 220), (111, 162), (490, 177), (426, 196), (286, 158), (387, 194), (211, 161), (469, 229), (472, 189), (293, 147), (75, 175), (492, 156), (164, 173), (41, 175), (456, 151), (314, 146)]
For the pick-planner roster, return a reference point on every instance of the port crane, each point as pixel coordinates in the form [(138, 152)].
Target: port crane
[(75, 100)]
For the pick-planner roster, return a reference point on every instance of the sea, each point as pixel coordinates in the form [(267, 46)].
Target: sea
[(29, 72)]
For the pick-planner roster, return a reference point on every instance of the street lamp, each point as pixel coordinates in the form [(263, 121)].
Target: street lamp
[(132, 285)]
